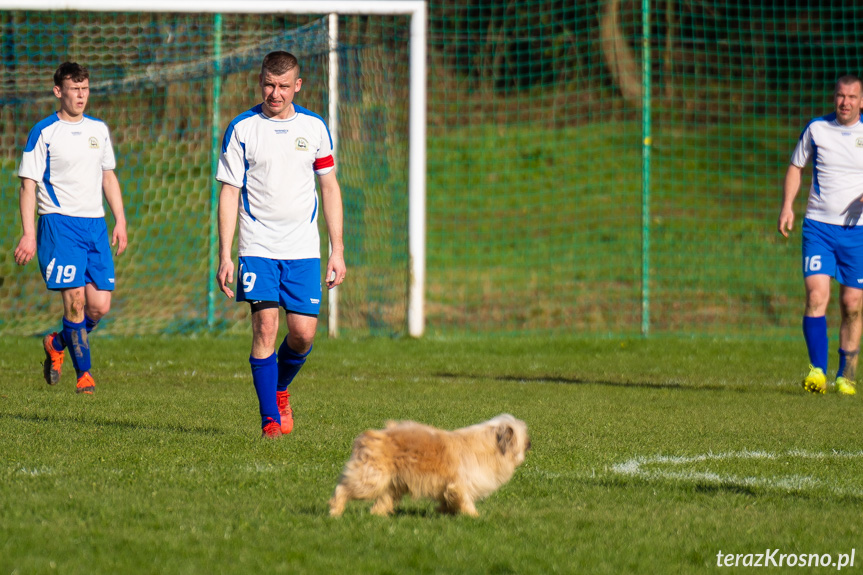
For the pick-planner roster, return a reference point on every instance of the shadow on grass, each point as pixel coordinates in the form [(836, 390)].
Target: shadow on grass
[(585, 381), (726, 488), (425, 513), (412, 510), (51, 418)]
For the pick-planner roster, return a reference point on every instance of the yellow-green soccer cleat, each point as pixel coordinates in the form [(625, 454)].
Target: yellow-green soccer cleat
[(816, 381), (845, 386)]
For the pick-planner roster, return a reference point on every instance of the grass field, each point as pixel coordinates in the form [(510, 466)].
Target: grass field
[(649, 456)]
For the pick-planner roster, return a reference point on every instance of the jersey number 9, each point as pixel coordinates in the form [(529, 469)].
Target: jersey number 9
[(249, 281)]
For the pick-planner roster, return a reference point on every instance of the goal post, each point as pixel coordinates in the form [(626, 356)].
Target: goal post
[(416, 10)]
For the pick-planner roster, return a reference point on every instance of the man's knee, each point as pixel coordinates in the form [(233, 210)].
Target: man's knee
[(817, 301), (265, 331), (74, 303), (851, 313), (97, 311), (265, 326), (301, 331), (851, 303), (97, 303), (301, 342)]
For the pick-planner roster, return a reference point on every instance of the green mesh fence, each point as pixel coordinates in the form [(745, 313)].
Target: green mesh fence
[(547, 211), (568, 191), (152, 81)]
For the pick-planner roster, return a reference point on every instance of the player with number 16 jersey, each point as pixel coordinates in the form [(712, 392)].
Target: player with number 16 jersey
[(832, 232)]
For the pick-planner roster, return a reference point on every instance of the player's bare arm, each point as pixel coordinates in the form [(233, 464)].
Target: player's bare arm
[(792, 185), (229, 198), (27, 203), (331, 200), (114, 197)]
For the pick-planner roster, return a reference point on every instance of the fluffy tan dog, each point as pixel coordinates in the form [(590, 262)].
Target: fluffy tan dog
[(456, 468)]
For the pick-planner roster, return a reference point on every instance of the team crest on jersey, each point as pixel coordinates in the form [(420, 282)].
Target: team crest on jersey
[(302, 144), (859, 143), (94, 143)]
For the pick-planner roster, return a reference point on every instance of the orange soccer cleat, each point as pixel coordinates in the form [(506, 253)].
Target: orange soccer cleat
[(271, 430), (285, 411), (86, 384), (53, 364)]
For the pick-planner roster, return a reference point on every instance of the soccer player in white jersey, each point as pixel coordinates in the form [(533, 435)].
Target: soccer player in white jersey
[(67, 165), (832, 231), (270, 157)]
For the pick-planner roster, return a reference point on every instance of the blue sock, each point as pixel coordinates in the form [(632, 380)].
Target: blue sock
[(290, 363), (59, 342), (815, 333), (75, 337), (843, 359), (265, 372)]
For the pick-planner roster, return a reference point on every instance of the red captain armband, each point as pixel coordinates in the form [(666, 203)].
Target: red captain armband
[(323, 163)]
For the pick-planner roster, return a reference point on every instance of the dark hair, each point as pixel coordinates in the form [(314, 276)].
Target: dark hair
[(72, 70), (277, 63), (847, 80)]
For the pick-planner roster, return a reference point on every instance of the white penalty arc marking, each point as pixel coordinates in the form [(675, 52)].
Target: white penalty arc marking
[(636, 467)]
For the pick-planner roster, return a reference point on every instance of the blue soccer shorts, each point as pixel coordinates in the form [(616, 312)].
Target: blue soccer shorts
[(74, 252), (833, 250), (294, 284)]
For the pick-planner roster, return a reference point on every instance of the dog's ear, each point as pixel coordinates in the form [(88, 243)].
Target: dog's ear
[(504, 433)]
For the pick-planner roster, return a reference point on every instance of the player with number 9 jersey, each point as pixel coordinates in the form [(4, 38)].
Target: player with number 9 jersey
[(271, 157)]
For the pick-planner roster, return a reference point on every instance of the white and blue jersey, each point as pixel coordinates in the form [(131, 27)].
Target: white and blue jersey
[(273, 163), (66, 160), (836, 152)]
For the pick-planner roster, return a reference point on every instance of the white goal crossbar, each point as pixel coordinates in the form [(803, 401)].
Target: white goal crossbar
[(417, 11)]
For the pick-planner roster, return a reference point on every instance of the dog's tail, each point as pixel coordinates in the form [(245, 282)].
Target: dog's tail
[(369, 469), (369, 446), (366, 474)]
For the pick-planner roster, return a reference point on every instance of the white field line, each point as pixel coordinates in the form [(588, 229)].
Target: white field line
[(636, 467), (34, 471)]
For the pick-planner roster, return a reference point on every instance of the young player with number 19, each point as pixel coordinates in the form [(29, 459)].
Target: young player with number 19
[(67, 165)]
